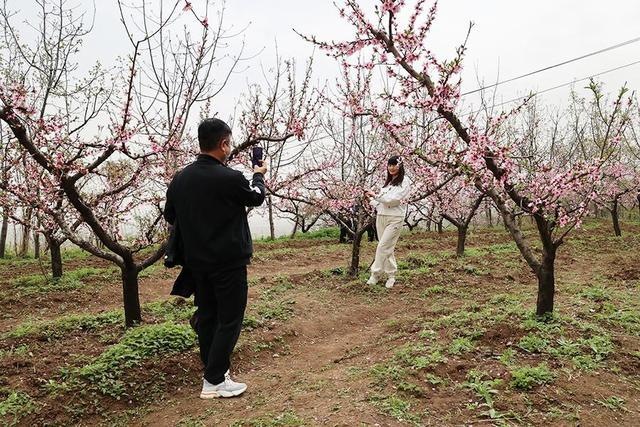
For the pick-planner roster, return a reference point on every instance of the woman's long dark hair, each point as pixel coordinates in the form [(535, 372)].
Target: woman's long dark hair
[(397, 180)]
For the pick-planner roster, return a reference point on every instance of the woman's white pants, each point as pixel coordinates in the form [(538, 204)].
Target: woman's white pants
[(388, 228)]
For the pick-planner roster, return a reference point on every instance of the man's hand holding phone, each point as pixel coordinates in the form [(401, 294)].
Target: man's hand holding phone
[(257, 160), (261, 167)]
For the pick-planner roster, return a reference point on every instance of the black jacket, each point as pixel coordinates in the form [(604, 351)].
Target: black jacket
[(208, 200)]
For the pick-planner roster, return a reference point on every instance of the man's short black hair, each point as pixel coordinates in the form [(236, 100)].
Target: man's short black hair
[(211, 132)]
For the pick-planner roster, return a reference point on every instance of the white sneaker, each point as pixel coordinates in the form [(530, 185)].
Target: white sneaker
[(390, 282), (372, 280), (227, 388)]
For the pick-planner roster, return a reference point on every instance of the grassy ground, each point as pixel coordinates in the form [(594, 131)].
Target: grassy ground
[(455, 342)]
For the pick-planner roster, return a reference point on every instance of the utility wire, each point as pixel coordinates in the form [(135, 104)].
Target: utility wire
[(606, 49), (561, 86)]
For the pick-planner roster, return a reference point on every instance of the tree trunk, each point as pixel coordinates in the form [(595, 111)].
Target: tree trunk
[(36, 245), (56, 257), (295, 228), (440, 226), (3, 233), (615, 216), (546, 283), (354, 267), (489, 215), (462, 238), (132, 315), (272, 228), (26, 234), (23, 249), (15, 239)]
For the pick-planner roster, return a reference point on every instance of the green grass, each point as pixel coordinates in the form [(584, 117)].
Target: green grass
[(322, 233), (150, 271), (68, 253), (250, 322), (461, 345), (59, 327), (165, 310), (137, 345), (614, 403), (11, 259), (526, 378), (386, 372), (278, 310), (15, 406), (38, 283), (486, 390), (596, 293), (432, 290), (288, 418), (418, 356), (273, 304), (396, 407), (173, 309), (74, 253), (533, 343), (266, 255), (20, 350)]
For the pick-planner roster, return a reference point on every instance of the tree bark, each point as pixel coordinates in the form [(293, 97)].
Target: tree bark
[(615, 216), (23, 251), (462, 238), (4, 231), (272, 228), (36, 245), (56, 258), (440, 226), (132, 314), (15, 239), (354, 267), (546, 283)]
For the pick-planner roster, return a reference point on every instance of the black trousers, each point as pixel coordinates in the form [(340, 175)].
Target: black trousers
[(221, 298)]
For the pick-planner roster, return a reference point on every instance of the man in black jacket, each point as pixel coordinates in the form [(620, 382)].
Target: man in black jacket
[(208, 200)]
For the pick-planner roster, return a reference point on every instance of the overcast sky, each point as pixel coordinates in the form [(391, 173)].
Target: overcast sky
[(509, 38)]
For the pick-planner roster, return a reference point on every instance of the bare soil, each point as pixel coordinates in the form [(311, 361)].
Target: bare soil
[(314, 367)]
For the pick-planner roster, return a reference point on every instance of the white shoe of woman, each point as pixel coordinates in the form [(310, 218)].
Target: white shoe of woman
[(390, 282)]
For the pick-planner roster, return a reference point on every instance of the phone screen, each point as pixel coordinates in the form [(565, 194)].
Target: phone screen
[(256, 156)]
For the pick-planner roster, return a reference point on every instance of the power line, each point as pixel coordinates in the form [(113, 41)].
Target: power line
[(606, 49), (562, 85)]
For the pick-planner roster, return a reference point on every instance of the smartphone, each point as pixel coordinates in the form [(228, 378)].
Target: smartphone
[(256, 156)]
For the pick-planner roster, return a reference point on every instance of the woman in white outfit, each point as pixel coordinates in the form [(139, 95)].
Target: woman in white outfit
[(391, 209)]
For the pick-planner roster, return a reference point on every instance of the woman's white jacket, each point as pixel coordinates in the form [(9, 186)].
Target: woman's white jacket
[(391, 200)]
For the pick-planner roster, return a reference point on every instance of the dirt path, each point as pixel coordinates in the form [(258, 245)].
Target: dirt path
[(326, 343)]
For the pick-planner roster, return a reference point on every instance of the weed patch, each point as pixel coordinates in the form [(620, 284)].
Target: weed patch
[(526, 378), (137, 345)]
